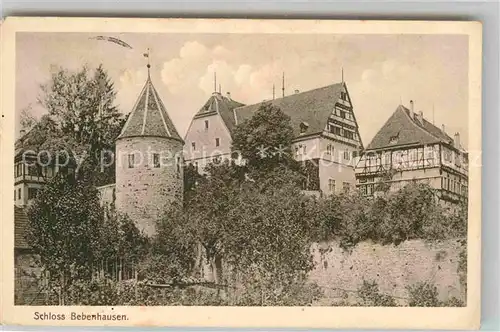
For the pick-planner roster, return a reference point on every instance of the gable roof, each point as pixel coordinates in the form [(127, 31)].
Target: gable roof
[(149, 116), (311, 107), (20, 228), (222, 105), (407, 130)]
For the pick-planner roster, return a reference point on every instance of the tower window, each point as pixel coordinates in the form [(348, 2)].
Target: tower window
[(19, 193), (156, 160), (343, 95), (206, 124), (131, 161), (342, 114), (217, 141), (193, 145), (329, 149)]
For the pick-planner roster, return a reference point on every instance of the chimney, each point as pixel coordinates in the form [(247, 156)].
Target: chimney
[(420, 117), (411, 109), (22, 132), (443, 128), (228, 95), (457, 140), (296, 91)]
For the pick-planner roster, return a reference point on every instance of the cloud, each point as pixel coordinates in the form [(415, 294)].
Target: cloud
[(131, 83)]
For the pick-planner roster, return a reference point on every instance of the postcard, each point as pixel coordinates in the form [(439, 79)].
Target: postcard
[(241, 173)]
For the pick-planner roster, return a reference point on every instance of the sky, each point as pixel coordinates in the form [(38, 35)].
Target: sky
[(381, 71)]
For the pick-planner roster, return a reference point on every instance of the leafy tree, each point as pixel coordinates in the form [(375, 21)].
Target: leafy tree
[(63, 220), (265, 139), (82, 120), (26, 118)]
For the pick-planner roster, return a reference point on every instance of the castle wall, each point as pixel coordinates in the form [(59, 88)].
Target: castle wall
[(339, 273), (145, 191)]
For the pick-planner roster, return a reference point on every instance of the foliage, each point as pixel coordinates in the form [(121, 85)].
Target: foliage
[(82, 121), (370, 296), (265, 139), (411, 213), (62, 228), (423, 294)]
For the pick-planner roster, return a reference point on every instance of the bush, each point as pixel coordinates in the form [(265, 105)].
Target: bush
[(371, 297), (423, 294)]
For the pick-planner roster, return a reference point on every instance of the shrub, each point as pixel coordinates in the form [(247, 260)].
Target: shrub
[(423, 294), (370, 296)]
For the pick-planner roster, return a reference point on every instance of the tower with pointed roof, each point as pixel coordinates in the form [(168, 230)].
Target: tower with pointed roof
[(148, 161)]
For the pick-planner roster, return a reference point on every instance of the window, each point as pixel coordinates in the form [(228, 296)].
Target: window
[(19, 169), (342, 114), (15, 195), (331, 185), (178, 165), (32, 192), (329, 149), (297, 150), (156, 160), (354, 154), (347, 155), (348, 134), (131, 161), (369, 189), (19, 193), (337, 131), (217, 141), (206, 124), (346, 186), (193, 145), (343, 95)]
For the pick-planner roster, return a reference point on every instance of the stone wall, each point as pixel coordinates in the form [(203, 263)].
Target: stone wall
[(144, 191), (339, 273)]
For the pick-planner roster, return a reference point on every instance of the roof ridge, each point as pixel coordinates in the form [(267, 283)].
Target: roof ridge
[(291, 95), (421, 128)]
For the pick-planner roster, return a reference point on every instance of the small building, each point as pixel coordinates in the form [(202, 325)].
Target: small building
[(31, 171), (327, 136), (409, 148)]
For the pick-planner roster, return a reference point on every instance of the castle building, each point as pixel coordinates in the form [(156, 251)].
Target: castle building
[(148, 161), (326, 133), (409, 148)]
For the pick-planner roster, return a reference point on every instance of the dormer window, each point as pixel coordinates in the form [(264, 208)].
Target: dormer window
[(343, 95), (303, 127)]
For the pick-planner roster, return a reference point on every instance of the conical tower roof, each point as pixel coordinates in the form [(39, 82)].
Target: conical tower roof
[(149, 116)]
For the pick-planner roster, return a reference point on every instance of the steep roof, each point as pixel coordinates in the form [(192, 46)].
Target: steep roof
[(221, 105), (149, 116), (20, 228), (312, 107), (402, 129)]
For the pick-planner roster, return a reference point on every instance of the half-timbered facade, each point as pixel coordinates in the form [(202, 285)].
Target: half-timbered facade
[(410, 148), (31, 171)]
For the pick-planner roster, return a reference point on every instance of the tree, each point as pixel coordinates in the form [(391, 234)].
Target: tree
[(63, 220), (265, 139), (82, 120), (26, 118)]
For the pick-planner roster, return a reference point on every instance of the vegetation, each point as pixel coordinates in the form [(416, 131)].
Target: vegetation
[(81, 122), (249, 226)]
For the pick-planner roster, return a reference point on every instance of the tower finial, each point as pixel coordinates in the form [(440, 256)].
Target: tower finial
[(146, 55), (283, 85)]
